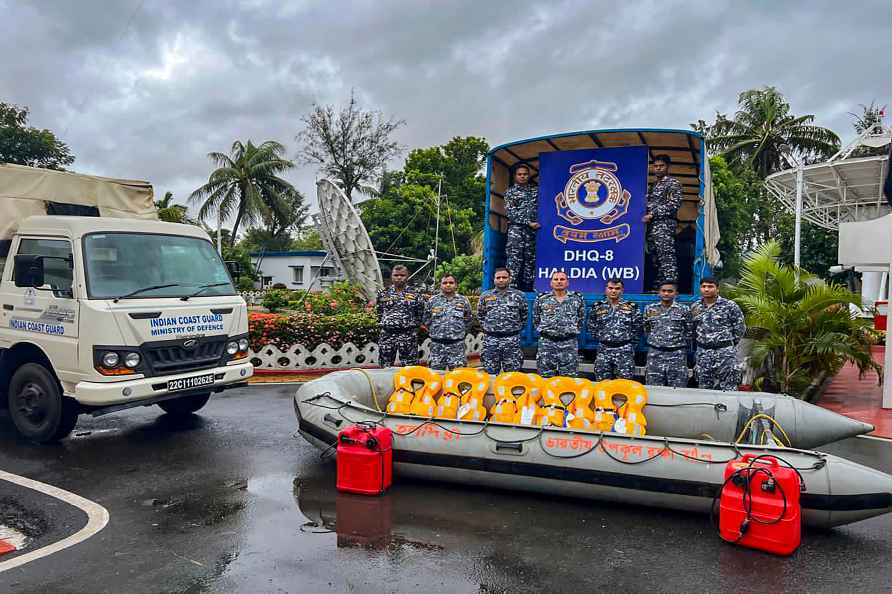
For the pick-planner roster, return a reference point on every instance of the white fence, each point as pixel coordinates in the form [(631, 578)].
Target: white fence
[(252, 297), (299, 358)]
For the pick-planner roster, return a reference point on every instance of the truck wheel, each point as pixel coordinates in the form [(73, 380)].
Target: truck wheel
[(38, 409), (185, 405)]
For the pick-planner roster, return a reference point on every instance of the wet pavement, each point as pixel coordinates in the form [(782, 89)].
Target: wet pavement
[(229, 501)]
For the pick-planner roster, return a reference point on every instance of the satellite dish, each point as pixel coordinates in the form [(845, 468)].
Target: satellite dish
[(345, 238)]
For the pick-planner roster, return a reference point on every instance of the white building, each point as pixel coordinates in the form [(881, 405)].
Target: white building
[(296, 269)]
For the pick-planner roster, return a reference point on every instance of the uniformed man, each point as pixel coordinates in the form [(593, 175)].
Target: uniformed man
[(558, 317), (663, 202), (521, 207), (668, 327), (616, 325), (718, 327), (502, 312), (447, 317), (399, 316)]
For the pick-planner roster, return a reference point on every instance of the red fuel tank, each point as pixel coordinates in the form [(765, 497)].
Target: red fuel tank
[(365, 459), (759, 505)]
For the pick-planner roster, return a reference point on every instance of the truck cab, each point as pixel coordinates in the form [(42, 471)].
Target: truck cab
[(697, 232), (101, 314)]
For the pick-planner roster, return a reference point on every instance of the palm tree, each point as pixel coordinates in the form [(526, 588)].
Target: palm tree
[(802, 327), (170, 212), (870, 118), (761, 126), (246, 183)]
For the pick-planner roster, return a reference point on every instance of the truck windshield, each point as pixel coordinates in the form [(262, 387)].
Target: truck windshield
[(152, 266)]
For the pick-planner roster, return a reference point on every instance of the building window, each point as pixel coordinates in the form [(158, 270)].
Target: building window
[(323, 272), (298, 274)]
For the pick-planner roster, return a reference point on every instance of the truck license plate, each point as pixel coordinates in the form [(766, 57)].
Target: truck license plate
[(187, 383)]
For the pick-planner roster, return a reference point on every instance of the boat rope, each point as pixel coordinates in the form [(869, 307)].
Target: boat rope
[(371, 387), (774, 423), (601, 442)]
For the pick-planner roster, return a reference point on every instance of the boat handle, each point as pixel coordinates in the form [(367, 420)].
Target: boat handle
[(509, 447), (332, 420)]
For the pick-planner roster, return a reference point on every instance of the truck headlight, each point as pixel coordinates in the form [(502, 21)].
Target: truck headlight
[(243, 344), (131, 360), (231, 347), (110, 360)]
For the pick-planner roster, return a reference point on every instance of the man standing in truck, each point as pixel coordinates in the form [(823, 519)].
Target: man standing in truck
[(521, 206), (663, 202)]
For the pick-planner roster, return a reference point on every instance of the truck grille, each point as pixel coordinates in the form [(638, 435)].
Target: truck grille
[(173, 358)]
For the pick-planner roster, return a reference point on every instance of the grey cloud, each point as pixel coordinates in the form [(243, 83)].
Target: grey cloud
[(494, 69)]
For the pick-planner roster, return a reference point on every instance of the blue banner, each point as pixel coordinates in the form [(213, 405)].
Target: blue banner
[(590, 207)]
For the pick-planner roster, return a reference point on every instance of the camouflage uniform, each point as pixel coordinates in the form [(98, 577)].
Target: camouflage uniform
[(521, 206), (559, 324), (399, 314), (718, 328), (663, 202), (448, 320), (668, 334), (502, 314), (616, 328)]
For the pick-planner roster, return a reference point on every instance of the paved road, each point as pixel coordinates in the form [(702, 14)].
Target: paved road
[(228, 501)]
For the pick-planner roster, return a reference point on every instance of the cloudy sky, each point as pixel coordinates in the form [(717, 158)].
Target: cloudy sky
[(146, 88)]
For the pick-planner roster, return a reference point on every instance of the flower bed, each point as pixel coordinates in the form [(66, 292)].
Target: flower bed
[(311, 330)]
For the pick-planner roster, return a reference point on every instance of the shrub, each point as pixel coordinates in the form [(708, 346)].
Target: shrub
[(340, 298), (275, 299), (802, 328), (245, 284), (311, 330)]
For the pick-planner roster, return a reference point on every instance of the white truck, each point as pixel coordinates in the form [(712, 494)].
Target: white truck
[(110, 311)]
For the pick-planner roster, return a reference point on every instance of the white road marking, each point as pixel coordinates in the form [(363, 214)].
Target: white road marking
[(876, 437), (12, 537), (97, 518)]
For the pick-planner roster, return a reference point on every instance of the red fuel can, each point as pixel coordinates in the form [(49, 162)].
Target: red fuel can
[(759, 505), (365, 459)]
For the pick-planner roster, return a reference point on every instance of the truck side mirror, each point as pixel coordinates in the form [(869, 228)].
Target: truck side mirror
[(235, 268), (29, 271)]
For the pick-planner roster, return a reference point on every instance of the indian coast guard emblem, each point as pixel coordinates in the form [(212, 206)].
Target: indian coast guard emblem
[(592, 192)]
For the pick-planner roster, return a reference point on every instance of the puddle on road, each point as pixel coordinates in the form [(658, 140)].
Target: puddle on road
[(281, 531)]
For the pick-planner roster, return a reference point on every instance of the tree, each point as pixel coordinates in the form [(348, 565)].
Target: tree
[(468, 271), (761, 126), (818, 249), (459, 163), (870, 117), (404, 221), (257, 239), (803, 330), (246, 183), (290, 216), (25, 145), (170, 212), (737, 195), (278, 225), (352, 146), (308, 239)]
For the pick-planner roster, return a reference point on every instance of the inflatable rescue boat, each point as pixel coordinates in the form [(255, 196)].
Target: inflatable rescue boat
[(615, 441)]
